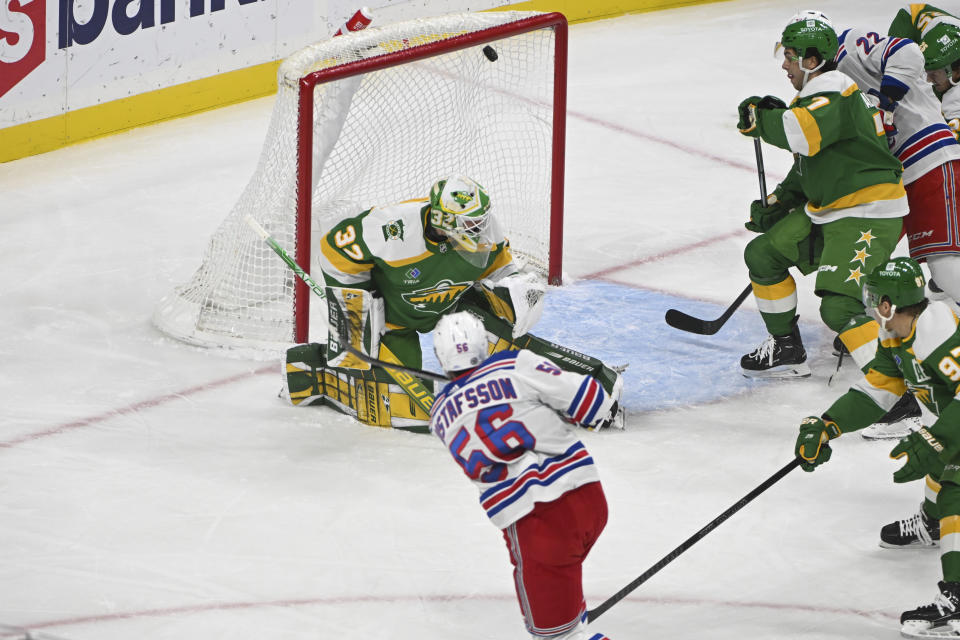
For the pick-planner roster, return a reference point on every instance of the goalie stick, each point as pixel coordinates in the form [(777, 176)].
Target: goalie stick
[(317, 289), (593, 614), (685, 322)]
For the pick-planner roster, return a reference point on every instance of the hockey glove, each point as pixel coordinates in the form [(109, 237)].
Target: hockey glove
[(813, 446), (923, 456), (771, 102), (764, 217), (747, 124), (886, 107)]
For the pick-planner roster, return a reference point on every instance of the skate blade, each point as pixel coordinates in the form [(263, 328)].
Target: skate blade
[(921, 629), (913, 546), (782, 372), (892, 431)]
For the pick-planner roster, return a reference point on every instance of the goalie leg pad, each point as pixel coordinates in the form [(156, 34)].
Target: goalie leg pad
[(372, 397), (356, 316), (303, 374)]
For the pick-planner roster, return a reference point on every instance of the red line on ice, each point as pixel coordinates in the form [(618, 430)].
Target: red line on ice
[(132, 408), (343, 600)]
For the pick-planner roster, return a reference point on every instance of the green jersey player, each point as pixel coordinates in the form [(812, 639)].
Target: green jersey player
[(915, 20), (918, 349), (838, 212), (394, 271)]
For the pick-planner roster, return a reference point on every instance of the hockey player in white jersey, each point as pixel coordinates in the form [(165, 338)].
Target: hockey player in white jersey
[(508, 420), (892, 71)]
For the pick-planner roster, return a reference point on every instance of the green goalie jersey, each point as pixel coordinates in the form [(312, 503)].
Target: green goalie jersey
[(842, 166), (927, 362), (384, 249), (916, 19)]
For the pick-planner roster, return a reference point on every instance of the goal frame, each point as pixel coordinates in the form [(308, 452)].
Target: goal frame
[(305, 101)]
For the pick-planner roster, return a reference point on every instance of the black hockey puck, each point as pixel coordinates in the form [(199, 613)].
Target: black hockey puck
[(491, 53)]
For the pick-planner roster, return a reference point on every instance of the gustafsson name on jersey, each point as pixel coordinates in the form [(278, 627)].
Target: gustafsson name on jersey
[(474, 396)]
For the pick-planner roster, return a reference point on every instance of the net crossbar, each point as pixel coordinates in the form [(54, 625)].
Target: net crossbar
[(375, 117)]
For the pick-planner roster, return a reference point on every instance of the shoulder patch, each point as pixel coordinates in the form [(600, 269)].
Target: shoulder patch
[(934, 327)]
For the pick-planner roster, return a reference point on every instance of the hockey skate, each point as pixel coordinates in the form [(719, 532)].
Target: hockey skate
[(902, 420), (941, 619), (919, 530), (777, 357)]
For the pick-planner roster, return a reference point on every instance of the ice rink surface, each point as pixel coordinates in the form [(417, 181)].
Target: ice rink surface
[(153, 490)]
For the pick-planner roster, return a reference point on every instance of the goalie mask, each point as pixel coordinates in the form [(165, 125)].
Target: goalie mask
[(460, 341), (460, 210), (900, 281)]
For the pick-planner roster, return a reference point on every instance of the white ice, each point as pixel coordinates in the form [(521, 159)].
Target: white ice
[(155, 491)]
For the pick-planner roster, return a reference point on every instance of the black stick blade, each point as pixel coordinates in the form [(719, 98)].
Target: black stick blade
[(685, 322)]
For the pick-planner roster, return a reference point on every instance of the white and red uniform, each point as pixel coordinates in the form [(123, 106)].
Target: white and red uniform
[(925, 144), (502, 424)]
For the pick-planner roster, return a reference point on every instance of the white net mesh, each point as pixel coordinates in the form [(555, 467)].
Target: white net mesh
[(380, 137)]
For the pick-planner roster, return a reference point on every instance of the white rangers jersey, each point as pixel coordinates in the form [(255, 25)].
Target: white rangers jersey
[(872, 60), (950, 105), (504, 425)]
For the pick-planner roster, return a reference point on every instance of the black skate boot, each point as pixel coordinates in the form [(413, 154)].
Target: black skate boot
[(919, 530), (902, 420), (941, 619), (777, 357)]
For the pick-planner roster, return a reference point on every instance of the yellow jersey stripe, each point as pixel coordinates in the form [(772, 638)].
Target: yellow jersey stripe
[(340, 262), (809, 128), (873, 193), (877, 380), (503, 259), (859, 336)]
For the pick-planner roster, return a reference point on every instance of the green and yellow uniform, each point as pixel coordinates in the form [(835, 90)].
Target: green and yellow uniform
[(914, 20), (927, 362), (846, 200), (389, 250)]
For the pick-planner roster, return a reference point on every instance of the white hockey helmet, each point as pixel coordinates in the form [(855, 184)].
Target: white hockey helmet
[(460, 341)]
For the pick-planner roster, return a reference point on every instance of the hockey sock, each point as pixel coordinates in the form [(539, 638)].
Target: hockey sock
[(949, 503), (931, 490), (777, 302)]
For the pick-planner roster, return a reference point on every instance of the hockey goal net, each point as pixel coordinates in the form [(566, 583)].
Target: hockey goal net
[(375, 117)]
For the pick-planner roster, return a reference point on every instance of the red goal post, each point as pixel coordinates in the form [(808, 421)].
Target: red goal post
[(375, 117)]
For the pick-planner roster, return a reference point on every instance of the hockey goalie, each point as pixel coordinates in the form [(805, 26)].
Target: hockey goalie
[(391, 272)]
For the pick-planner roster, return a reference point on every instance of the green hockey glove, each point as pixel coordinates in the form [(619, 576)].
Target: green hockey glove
[(747, 124), (771, 102), (923, 456), (762, 218), (813, 447)]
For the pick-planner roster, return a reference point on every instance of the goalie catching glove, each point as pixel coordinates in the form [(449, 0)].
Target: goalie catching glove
[(517, 298), (813, 446)]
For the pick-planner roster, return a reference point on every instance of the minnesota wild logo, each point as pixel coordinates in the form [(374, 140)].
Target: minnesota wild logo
[(462, 197), (393, 230), (437, 298)]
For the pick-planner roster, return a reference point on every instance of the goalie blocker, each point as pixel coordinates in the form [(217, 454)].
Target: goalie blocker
[(318, 374)]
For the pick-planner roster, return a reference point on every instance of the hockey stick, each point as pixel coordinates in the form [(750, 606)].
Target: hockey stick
[(685, 322), (317, 289), (593, 614)]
